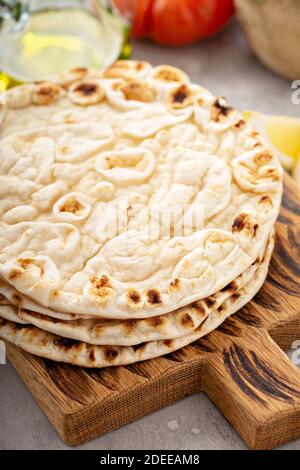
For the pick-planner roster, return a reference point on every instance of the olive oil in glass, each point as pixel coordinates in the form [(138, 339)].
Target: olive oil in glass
[(50, 37)]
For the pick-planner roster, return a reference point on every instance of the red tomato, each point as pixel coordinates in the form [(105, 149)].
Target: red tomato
[(142, 18), (139, 12), (177, 22)]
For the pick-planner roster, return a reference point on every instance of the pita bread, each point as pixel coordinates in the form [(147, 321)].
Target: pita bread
[(3, 300), (133, 331), (19, 300), (8, 312), (130, 332), (124, 145), (58, 348)]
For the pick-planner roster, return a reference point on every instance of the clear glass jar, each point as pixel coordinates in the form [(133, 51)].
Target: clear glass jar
[(43, 37)]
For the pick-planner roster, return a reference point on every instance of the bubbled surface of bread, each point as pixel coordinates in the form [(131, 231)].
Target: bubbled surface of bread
[(82, 149)]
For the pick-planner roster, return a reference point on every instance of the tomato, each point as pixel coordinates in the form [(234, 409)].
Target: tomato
[(142, 18), (177, 22), (139, 12)]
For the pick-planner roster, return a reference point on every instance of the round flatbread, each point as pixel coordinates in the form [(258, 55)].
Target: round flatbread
[(131, 332), (129, 194), (17, 299), (57, 348), (8, 312)]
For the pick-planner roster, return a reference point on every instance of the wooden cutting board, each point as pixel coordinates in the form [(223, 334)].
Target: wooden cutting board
[(241, 366)]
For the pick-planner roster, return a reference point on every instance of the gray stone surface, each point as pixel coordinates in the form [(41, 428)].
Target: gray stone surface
[(225, 65)]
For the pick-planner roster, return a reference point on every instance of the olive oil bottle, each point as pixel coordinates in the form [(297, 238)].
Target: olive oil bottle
[(48, 37)]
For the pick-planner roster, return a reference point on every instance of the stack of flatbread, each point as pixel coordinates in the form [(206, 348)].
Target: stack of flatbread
[(137, 213)]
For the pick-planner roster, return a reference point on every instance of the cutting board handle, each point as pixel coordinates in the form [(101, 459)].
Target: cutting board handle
[(256, 386)]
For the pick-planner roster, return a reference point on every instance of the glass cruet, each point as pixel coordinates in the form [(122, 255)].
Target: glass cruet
[(43, 37)]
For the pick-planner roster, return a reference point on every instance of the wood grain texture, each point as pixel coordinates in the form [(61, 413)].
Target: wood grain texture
[(241, 366)]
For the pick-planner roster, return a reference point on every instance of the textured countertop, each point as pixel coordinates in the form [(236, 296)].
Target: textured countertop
[(225, 65)]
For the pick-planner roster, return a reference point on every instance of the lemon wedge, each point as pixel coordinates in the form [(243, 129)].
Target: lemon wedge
[(283, 136), (296, 172)]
